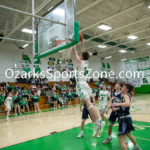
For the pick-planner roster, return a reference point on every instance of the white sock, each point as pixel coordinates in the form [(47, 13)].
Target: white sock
[(81, 132), (109, 137)]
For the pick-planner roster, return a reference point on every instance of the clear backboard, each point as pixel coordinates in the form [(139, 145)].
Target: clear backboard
[(54, 37)]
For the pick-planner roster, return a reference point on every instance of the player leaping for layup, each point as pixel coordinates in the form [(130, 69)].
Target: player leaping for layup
[(82, 86)]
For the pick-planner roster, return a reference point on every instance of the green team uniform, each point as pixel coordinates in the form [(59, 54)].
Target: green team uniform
[(2, 98), (23, 102), (14, 101), (20, 97), (64, 87), (97, 83), (75, 94), (69, 97), (26, 92), (55, 97), (35, 99)]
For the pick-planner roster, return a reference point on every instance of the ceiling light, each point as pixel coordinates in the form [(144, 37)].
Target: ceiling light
[(59, 12), (122, 51), (90, 53), (123, 59), (108, 57), (104, 27), (28, 31), (132, 37), (25, 45), (148, 44), (149, 6), (102, 46)]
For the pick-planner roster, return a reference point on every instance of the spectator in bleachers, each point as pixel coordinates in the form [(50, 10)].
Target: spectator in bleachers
[(23, 103), (16, 101), (63, 96), (35, 98), (51, 102), (2, 98), (55, 99)]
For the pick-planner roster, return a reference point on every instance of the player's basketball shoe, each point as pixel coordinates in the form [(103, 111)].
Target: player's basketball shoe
[(81, 134), (107, 140)]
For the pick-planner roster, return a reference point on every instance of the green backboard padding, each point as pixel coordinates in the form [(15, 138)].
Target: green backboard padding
[(111, 43), (131, 49), (75, 41)]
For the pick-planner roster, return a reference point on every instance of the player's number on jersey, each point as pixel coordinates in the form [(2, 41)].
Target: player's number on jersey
[(85, 71)]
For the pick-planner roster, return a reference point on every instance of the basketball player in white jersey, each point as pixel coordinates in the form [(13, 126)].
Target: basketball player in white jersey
[(104, 96), (83, 89)]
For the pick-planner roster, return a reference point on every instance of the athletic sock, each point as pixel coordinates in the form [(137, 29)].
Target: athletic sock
[(103, 124), (81, 132)]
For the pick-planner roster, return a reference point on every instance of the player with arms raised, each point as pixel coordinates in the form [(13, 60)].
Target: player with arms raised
[(82, 86)]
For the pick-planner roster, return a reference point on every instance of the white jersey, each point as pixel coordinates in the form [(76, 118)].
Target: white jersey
[(104, 95), (83, 89), (8, 103), (81, 72)]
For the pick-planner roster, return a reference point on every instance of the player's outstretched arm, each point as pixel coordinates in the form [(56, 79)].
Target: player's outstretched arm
[(82, 42), (82, 46), (76, 56)]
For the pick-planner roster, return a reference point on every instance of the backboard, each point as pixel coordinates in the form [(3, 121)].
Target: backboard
[(54, 37)]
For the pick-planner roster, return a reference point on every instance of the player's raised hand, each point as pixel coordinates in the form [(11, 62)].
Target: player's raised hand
[(81, 37)]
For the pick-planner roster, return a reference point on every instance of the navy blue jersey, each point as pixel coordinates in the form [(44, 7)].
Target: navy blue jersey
[(117, 95), (124, 111)]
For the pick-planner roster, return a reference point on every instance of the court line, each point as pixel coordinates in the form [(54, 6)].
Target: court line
[(145, 139)]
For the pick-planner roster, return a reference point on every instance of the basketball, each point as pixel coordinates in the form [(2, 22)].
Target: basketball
[(81, 36)]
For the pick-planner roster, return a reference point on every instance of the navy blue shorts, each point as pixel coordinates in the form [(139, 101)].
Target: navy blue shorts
[(85, 113), (125, 126), (113, 117)]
